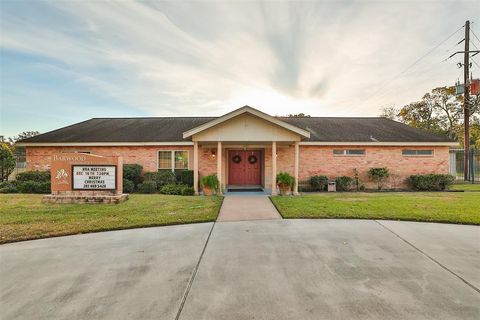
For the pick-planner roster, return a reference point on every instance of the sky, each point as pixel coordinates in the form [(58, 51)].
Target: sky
[(63, 62)]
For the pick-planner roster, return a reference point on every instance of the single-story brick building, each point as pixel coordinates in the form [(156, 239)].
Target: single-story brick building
[(246, 146)]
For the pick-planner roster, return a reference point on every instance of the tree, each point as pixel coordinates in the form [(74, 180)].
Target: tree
[(7, 161), (441, 111), (23, 135), (390, 113), (299, 115)]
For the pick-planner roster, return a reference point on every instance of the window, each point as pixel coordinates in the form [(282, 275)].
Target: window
[(349, 152), (417, 152), (181, 160), (172, 160), (165, 160)]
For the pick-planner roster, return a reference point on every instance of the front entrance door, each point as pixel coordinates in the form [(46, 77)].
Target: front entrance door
[(245, 167)]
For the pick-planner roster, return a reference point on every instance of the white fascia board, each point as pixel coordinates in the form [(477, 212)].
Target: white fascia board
[(102, 144), (377, 143), (240, 111)]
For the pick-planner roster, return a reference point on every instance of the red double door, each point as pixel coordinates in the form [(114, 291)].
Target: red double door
[(245, 167)]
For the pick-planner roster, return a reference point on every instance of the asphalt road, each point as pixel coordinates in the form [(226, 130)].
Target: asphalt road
[(278, 269)]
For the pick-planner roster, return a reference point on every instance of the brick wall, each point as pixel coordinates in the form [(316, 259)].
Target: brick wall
[(317, 160), (39, 158), (314, 160)]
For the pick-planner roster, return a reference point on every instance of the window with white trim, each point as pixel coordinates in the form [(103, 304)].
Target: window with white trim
[(172, 160), (417, 152), (349, 152)]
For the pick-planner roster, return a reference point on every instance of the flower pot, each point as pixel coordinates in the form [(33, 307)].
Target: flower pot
[(207, 191), (284, 189)]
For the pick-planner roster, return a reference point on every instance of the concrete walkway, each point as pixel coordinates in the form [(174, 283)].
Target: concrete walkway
[(267, 269), (240, 207)]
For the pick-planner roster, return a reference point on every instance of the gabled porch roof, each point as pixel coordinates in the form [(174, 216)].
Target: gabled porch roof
[(243, 110)]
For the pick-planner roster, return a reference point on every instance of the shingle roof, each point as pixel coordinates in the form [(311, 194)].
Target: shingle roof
[(170, 129)]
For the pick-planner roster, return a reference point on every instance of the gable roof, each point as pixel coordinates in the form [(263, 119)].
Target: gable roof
[(250, 110), (158, 130)]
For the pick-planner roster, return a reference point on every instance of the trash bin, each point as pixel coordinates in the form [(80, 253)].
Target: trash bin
[(332, 186)]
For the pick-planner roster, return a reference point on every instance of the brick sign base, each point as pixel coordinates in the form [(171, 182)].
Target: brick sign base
[(86, 178)]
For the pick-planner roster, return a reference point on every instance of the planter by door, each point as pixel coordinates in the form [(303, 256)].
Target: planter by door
[(245, 167)]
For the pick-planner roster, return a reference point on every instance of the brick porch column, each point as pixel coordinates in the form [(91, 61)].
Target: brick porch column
[(274, 168), (195, 167), (295, 168), (219, 166)]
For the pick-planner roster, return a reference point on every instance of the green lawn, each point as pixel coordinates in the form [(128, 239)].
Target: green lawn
[(453, 207), (24, 217), (466, 187)]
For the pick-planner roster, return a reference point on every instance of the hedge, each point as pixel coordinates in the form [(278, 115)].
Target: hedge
[(147, 187), (184, 177), (344, 183), (319, 183), (430, 182), (38, 176), (34, 187), (133, 172)]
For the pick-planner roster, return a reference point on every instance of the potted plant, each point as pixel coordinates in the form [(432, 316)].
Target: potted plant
[(209, 184), (285, 183)]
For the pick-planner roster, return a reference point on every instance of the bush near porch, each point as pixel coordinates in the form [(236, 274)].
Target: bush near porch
[(162, 181), (25, 217), (449, 207)]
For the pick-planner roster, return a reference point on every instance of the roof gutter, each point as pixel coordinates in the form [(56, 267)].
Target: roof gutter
[(377, 143), (103, 144)]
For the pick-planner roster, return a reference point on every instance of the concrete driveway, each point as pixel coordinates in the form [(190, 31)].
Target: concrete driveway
[(268, 269)]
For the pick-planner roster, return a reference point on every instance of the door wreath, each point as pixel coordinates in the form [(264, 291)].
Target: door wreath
[(237, 158), (252, 159)]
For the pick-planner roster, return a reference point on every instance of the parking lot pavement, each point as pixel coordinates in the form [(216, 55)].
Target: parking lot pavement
[(456, 247), (129, 274), (259, 269), (323, 269)]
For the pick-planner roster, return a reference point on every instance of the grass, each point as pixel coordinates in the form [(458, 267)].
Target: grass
[(466, 187), (448, 207), (24, 217)]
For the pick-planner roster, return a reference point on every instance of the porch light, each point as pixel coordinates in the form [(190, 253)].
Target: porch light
[(213, 154)]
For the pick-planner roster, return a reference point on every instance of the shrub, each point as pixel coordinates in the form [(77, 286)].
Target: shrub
[(184, 177), (188, 191), (379, 175), (162, 177), (128, 186), (344, 183), (147, 187), (8, 187), (430, 182), (34, 187), (37, 176), (174, 189), (133, 172), (319, 183)]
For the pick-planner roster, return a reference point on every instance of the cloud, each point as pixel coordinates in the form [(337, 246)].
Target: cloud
[(196, 58)]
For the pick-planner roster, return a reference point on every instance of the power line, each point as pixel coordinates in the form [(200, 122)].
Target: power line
[(412, 65), (474, 34)]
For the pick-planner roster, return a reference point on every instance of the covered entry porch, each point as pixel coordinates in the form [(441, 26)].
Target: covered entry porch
[(246, 147), (248, 165)]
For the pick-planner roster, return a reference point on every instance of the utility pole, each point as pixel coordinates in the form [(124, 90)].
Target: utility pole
[(466, 100), (466, 97)]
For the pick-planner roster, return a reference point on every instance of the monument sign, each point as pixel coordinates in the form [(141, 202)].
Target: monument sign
[(86, 178)]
